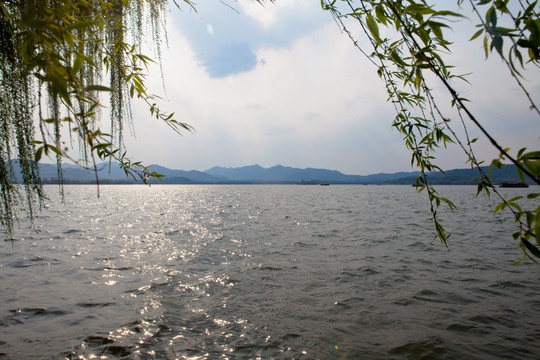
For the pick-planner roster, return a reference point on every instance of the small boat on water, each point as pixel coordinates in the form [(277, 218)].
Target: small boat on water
[(325, 184), (513, 185)]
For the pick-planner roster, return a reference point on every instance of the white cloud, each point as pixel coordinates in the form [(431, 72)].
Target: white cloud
[(265, 15), (310, 100)]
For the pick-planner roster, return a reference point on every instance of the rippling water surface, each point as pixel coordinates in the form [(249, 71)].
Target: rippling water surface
[(269, 272)]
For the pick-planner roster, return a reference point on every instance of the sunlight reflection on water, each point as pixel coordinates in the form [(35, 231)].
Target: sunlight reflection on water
[(280, 272)]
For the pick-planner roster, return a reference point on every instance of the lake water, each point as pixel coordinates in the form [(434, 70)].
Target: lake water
[(269, 272)]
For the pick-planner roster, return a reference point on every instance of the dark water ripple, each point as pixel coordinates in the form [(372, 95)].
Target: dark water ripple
[(270, 272)]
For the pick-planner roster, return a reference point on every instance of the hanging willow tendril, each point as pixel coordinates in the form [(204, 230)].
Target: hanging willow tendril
[(413, 45), (58, 58)]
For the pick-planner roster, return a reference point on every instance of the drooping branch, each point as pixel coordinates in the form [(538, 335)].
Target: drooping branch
[(65, 52), (455, 96), (418, 27)]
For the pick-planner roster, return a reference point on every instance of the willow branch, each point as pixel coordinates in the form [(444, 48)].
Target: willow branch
[(461, 104)]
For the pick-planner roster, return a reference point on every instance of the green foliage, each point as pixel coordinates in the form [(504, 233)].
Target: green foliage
[(57, 59), (407, 43)]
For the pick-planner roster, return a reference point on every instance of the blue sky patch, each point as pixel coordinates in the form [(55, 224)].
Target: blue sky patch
[(231, 59)]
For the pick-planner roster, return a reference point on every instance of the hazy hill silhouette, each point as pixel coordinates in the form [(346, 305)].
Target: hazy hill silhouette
[(255, 174)]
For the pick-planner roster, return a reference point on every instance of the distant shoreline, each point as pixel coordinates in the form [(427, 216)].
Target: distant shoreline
[(112, 182), (275, 175)]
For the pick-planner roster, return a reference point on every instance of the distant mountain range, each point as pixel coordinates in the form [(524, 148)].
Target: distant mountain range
[(256, 174), (289, 175)]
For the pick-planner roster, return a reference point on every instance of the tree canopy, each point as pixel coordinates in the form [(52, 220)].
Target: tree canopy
[(60, 57)]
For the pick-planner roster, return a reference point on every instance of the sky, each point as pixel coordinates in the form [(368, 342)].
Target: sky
[(281, 84)]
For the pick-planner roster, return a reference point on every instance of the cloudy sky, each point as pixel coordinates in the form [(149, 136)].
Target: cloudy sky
[(281, 84)]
